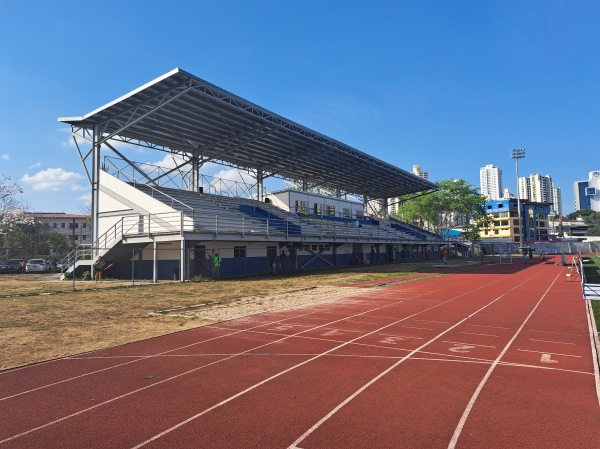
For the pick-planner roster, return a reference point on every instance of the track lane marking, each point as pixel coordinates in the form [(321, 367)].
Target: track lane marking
[(468, 344), (481, 335), (467, 411), (550, 341), (552, 332), (550, 353)]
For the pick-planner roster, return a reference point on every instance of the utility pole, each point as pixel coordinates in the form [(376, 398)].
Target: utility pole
[(517, 154)]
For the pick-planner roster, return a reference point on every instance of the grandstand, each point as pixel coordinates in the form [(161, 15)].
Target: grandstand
[(178, 223)]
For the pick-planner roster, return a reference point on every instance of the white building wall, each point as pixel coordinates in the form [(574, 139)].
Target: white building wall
[(314, 203), (594, 183), (556, 208), (119, 200), (490, 181)]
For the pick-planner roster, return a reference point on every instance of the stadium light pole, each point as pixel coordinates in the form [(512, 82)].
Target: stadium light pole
[(517, 154)]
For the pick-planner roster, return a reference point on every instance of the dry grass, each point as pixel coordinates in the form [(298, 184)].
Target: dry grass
[(37, 325)]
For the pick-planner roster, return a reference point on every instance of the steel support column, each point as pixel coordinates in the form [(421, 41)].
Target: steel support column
[(95, 189)]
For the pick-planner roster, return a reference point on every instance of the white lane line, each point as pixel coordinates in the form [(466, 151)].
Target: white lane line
[(550, 341), (557, 333), (551, 353), (469, 344), (492, 327), (406, 357), (400, 336), (431, 321), (420, 328), (481, 335), (362, 322), (467, 411)]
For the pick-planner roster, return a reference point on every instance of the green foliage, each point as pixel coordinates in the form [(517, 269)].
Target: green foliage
[(456, 204), (580, 213), (593, 221), (34, 239)]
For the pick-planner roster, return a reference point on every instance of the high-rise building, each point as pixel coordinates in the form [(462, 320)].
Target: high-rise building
[(587, 193), (582, 201), (490, 181), (540, 189), (556, 208), (421, 174), (524, 186)]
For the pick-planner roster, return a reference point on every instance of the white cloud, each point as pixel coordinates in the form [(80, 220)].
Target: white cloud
[(54, 179), (6, 157), (34, 166)]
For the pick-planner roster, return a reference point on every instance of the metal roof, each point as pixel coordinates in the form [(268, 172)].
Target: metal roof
[(184, 114)]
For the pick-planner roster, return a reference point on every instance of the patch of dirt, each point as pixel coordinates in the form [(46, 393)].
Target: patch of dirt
[(250, 305)]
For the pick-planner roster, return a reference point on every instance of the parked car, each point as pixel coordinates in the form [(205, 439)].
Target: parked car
[(12, 266), (36, 266)]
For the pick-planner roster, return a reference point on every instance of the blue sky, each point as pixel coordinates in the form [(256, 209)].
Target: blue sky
[(449, 85)]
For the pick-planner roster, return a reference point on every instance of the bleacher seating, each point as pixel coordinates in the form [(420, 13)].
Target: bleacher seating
[(235, 215)]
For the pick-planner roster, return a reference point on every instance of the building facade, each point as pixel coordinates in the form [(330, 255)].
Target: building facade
[(490, 181), (586, 194), (504, 221), (421, 174), (74, 227), (556, 208), (540, 189)]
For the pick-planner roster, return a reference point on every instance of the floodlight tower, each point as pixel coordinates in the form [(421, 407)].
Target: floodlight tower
[(517, 154)]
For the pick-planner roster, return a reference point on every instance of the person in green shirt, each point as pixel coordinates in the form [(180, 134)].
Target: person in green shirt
[(216, 268)]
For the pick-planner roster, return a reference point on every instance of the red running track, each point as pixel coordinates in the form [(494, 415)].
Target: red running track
[(497, 357)]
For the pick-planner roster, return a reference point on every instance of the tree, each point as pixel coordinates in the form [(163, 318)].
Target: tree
[(579, 213), (12, 209), (593, 221), (457, 204)]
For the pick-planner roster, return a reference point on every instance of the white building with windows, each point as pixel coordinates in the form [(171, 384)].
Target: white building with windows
[(540, 189), (556, 208), (490, 181), (587, 193), (74, 227), (421, 174)]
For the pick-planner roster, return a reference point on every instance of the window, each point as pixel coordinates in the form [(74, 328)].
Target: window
[(62, 225), (301, 206), (84, 225), (54, 225), (239, 251), (346, 213), (318, 209), (331, 211), (84, 237)]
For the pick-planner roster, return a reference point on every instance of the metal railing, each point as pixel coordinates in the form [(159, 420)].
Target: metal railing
[(589, 291)]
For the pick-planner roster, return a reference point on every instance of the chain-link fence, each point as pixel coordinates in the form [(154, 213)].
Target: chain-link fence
[(26, 271)]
